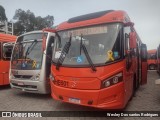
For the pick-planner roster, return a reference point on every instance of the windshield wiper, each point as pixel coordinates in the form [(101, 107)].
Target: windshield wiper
[(87, 55), (64, 53), (30, 48)]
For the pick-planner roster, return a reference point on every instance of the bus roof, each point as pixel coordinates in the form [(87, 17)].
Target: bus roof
[(95, 18), (39, 31), (153, 51), (7, 37)]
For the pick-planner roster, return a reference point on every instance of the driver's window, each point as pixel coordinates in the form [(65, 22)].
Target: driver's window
[(127, 54), (127, 31), (7, 51), (50, 46)]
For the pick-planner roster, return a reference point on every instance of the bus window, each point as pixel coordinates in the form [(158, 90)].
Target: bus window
[(128, 54), (152, 56), (127, 30), (49, 47), (7, 50)]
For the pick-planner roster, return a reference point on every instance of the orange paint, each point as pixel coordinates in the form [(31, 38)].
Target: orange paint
[(5, 64)]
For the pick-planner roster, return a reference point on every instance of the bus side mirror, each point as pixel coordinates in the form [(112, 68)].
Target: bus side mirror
[(132, 38)]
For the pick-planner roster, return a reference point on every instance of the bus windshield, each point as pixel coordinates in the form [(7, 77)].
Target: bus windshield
[(27, 53), (152, 56), (102, 43), (7, 50)]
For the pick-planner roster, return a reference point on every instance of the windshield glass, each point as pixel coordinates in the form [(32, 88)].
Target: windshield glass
[(27, 53), (7, 50), (152, 56), (102, 43)]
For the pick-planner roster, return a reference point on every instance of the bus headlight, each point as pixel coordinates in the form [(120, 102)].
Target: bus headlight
[(36, 78), (107, 83), (112, 80), (51, 77), (11, 76)]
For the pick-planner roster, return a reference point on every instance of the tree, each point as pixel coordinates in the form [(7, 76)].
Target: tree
[(26, 21), (2, 14)]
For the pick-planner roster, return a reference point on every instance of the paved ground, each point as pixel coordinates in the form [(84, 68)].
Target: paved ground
[(147, 98)]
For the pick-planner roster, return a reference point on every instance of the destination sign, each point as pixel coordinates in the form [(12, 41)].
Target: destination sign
[(85, 31)]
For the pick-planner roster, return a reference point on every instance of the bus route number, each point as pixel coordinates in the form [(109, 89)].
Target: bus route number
[(61, 83)]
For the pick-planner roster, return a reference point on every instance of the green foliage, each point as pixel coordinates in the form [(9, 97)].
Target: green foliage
[(2, 14), (26, 21)]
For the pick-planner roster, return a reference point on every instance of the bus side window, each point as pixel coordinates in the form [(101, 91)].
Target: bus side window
[(127, 53), (50, 46), (7, 51), (127, 31)]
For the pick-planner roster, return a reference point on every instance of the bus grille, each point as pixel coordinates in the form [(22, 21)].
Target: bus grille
[(23, 76), (26, 86)]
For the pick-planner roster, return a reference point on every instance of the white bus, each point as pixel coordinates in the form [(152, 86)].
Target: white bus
[(30, 61)]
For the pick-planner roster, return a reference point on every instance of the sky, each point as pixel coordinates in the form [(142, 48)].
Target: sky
[(144, 13)]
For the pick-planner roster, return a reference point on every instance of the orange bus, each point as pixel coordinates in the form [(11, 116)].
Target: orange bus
[(6, 46), (98, 60), (158, 59), (151, 59)]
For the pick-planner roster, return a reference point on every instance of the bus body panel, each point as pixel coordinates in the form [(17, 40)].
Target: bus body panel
[(80, 85), (31, 86), (144, 72), (5, 64), (118, 16), (4, 72), (81, 72), (7, 38), (83, 77), (108, 98)]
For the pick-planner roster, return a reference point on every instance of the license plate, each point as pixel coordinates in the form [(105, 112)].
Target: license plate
[(75, 100), (20, 83)]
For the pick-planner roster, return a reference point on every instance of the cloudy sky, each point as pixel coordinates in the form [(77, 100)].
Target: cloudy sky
[(144, 13)]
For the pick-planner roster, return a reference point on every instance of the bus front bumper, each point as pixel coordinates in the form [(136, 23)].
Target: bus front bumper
[(31, 86), (157, 82), (108, 98)]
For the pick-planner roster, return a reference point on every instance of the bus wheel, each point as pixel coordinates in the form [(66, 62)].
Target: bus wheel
[(152, 67)]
